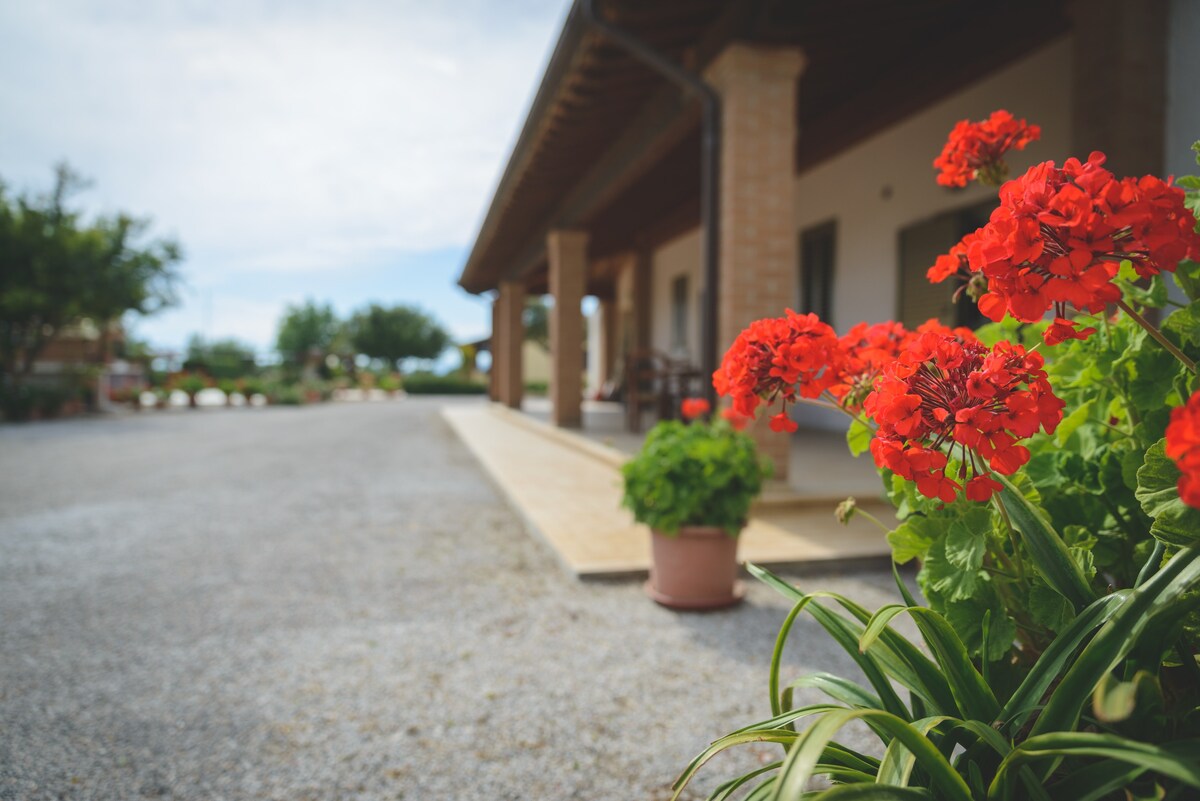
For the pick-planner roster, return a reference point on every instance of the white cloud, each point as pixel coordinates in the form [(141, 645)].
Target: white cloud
[(284, 137)]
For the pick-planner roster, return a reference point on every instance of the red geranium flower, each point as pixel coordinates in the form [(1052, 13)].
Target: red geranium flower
[(976, 149), (1059, 236), (737, 421), (867, 348), (944, 395), (1183, 445), (691, 408), (788, 357)]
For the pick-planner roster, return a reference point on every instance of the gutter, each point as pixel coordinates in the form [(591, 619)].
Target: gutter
[(710, 172)]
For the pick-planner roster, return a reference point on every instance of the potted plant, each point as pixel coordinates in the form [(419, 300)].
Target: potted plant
[(692, 484)]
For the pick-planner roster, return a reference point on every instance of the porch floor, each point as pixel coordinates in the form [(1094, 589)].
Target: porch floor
[(568, 489)]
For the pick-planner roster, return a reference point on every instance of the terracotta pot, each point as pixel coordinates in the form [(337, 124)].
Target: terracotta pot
[(696, 569)]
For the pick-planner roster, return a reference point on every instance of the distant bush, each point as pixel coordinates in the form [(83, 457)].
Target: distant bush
[(424, 384), (537, 387)]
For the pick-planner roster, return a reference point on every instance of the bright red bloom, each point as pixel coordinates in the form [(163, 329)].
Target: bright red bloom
[(976, 149), (1059, 236), (737, 421), (691, 408), (788, 357), (867, 348), (1183, 445), (979, 402)]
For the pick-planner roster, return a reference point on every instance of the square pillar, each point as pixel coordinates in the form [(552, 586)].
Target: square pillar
[(566, 252), (643, 283), (610, 317), (1119, 83), (758, 247), (507, 356), (493, 349)]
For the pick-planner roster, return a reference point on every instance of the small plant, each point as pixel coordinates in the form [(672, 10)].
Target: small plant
[(697, 473)]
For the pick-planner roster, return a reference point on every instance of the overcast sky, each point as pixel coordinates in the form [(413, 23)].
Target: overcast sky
[(343, 151)]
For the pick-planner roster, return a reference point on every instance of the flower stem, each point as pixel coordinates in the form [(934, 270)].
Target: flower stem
[(1157, 335), (1012, 538)]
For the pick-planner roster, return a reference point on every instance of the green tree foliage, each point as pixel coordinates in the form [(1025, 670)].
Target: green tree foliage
[(56, 269), (222, 359), (536, 318), (305, 328), (396, 333)]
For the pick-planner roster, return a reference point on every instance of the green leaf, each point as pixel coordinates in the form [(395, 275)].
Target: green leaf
[(1049, 554), (1050, 664), (1049, 608), (804, 755), (1116, 638), (972, 694), (872, 792), (1072, 421), (1114, 700), (1183, 326), (912, 538), (858, 437), (1177, 761), (1175, 523), (1187, 276), (965, 545)]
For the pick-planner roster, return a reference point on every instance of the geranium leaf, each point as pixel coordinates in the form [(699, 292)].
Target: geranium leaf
[(1175, 523), (858, 437), (1073, 421)]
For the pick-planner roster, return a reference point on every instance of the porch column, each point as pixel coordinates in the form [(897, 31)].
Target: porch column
[(493, 350), (757, 259), (1118, 85), (642, 267), (512, 338), (566, 252), (609, 317)]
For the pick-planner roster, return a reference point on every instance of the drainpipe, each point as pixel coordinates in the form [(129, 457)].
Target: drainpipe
[(710, 172)]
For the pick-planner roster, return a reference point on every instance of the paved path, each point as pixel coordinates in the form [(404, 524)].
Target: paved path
[(334, 602)]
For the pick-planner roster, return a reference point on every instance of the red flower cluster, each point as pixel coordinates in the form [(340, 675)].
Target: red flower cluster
[(976, 149), (866, 349), (780, 357), (945, 392), (691, 408), (1059, 236), (736, 421), (1183, 445)]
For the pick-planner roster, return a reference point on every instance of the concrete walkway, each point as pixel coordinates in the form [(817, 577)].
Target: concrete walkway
[(568, 489)]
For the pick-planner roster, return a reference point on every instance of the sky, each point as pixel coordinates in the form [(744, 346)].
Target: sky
[(339, 151)]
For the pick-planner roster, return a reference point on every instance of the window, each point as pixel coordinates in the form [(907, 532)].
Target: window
[(816, 270), (920, 245), (679, 313)]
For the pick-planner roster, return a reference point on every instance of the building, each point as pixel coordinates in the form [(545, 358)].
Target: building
[(831, 112)]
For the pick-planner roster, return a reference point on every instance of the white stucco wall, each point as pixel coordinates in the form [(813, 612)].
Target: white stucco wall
[(883, 185), (680, 256)]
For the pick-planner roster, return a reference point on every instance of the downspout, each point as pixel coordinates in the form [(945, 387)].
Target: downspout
[(710, 173)]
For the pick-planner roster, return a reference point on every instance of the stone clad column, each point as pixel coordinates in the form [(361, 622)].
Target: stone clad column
[(512, 339), (566, 252), (758, 248)]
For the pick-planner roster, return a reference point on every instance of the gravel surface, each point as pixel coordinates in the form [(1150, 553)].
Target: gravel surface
[(334, 602)]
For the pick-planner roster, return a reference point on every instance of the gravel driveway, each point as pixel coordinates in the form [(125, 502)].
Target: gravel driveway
[(333, 602)]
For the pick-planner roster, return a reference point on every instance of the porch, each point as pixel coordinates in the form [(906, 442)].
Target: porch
[(567, 486)]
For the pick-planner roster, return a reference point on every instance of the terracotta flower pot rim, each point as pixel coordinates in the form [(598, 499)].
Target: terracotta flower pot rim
[(700, 531)]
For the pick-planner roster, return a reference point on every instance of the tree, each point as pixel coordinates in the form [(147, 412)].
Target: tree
[(536, 318), (307, 328), (56, 270), (224, 358), (399, 332)]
